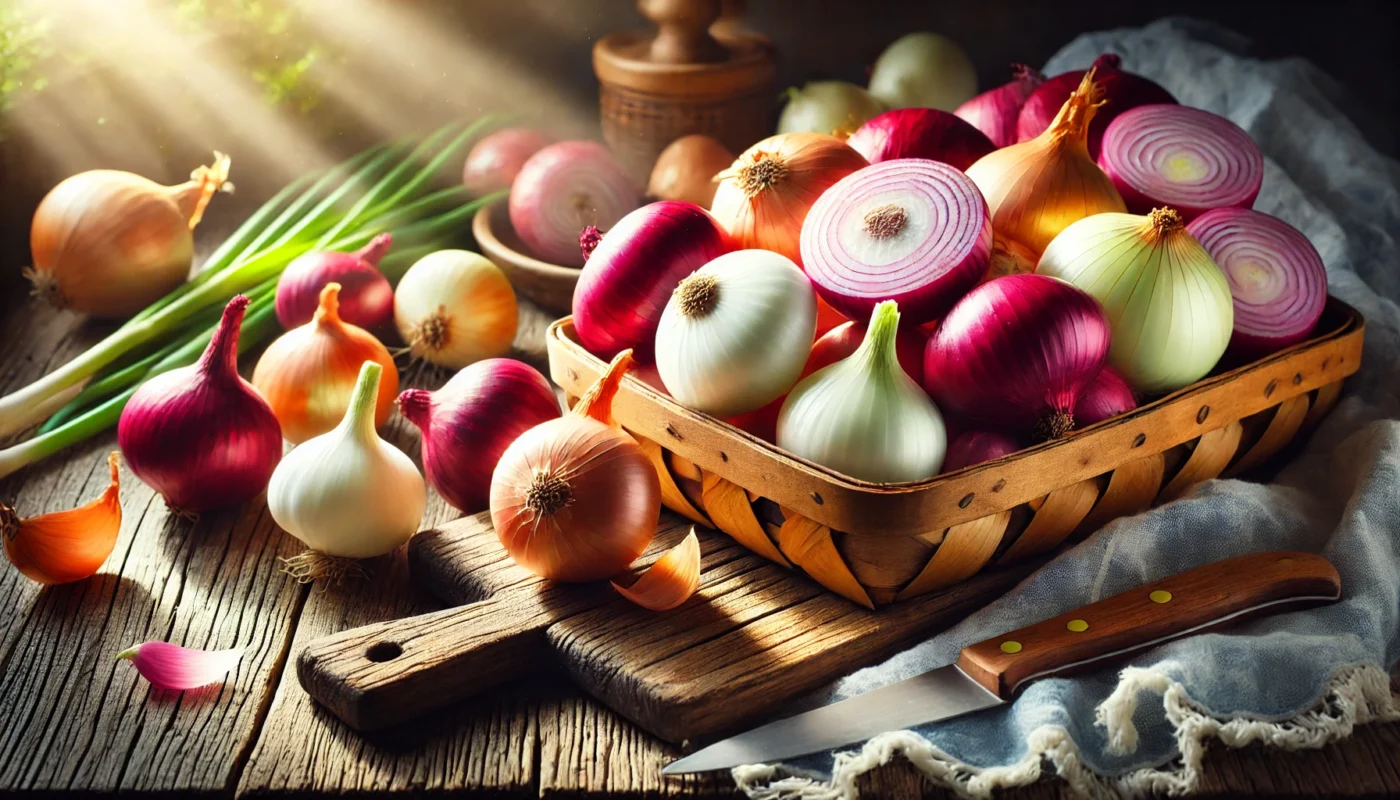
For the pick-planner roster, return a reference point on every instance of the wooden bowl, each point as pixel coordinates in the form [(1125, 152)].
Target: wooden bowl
[(550, 286)]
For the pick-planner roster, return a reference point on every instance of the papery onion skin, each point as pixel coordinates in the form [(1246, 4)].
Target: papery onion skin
[(1037, 188), (735, 334), (1167, 301), (686, 170), (1106, 397), (201, 436), (366, 298), (109, 243), (669, 582), (833, 107), (469, 422), (863, 417), (920, 133), (996, 111), (563, 188), (1278, 283), (630, 276), (973, 447), (455, 307), (1121, 91), (65, 546), (308, 373), (925, 70), (911, 230), (765, 195), (1017, 353), (494, 161), (576, 499), (1186, 158)]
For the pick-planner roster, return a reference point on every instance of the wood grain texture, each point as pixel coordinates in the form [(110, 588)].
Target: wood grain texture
[(1152, 613)]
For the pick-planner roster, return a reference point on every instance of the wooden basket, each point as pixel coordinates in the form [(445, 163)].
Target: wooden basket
[(876, 544)]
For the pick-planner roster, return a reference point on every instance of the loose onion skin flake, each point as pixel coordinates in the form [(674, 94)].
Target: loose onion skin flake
[(921, 133), (1277, 280), (1186, 158), (910, 230)]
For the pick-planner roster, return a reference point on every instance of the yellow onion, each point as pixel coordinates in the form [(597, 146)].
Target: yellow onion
[(308, 375), (455, 308), (1167, 301), (765, 195), (686, 170), (576, 498), (109, 243), (1037, 188)]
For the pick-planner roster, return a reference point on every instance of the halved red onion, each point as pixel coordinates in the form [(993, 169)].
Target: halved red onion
[(910, 230), (920, 133), (1277, 279), (1186, 158)]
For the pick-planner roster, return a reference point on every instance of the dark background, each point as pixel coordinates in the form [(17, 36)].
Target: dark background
[(533, 56)]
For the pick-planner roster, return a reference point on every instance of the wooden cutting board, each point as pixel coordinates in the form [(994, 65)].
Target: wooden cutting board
[(755, 636)]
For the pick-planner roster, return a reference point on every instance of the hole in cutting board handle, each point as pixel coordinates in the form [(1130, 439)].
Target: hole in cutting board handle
[(380, 652)]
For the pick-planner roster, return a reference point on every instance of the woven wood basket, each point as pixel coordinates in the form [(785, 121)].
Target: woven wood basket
[(877, 544)]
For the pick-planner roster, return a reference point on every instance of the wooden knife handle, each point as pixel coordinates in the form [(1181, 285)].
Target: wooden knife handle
[(383, 674), (1149, 615)]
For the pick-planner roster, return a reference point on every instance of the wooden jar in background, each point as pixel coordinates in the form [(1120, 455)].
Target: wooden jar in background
[(656, 87)]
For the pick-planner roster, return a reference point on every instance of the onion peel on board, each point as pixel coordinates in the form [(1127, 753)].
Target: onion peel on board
[(671, 580), (65, 546)]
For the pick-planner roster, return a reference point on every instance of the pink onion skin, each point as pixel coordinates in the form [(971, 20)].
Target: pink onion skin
[(1017, 353), (1107, 396), (201, 436), (976, 446), (494, 161), (1242, 241), (927, 280), (1121, 91), (1151, 131), (366, 298), (632, 272), (471, 420), (173, 668), (562, 189), (920, 133), (996, 111)]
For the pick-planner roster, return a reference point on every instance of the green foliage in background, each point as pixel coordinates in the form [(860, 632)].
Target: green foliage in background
[(24, 45), (270, 38)]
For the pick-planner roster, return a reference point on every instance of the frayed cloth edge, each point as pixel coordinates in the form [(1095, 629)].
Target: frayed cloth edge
[(1355, 695)]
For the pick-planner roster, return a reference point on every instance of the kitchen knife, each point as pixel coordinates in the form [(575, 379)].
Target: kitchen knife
[(989, 673)]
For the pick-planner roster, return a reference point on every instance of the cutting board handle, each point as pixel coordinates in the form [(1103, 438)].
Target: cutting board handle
[(1149, 615), (383, 674)]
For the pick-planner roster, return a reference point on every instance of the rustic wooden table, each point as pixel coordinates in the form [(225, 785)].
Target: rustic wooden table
[(72, 719)]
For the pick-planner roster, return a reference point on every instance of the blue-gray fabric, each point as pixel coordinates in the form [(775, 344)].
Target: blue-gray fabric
[(1339, 497)]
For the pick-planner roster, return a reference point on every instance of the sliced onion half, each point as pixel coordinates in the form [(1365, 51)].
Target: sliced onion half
[(910, 230), (1277, 279), (1186, 158)]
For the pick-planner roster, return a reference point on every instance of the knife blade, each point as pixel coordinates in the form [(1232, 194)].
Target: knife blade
[(989, 673)]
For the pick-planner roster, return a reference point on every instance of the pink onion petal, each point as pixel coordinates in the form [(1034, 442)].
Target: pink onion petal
[(1277, 279), (1186, 158), (940, 247), (170, 666)]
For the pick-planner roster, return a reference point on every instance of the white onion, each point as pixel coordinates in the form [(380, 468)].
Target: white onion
[(923, 70), (827, 107), (736, 333)]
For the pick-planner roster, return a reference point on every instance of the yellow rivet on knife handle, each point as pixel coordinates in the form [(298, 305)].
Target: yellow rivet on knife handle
[(1160, 596), (1077, 625), (1010, 648)]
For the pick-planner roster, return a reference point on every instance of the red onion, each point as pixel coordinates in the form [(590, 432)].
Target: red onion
[(494, 161), (1121, 91), (564, 188), (629, 277), (1108, 395), (920, 133), (1186, 158), (995, 111), (202, 436), (366, 298), (471, 420), (909, 230), (1017, 353), (974, 446), (1277, 279)]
